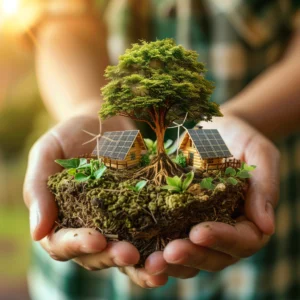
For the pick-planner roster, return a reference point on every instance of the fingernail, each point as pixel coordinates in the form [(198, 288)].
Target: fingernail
[(34, 218)]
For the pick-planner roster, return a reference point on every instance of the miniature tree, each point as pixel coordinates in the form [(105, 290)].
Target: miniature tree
[(158, 83)]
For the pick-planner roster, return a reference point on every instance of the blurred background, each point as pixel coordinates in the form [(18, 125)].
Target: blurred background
[(22, 119)]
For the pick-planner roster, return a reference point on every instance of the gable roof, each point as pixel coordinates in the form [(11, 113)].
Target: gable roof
[(208, 143), (116, 144)]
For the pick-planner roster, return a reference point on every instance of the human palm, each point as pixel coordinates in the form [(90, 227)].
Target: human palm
[(212, 246)]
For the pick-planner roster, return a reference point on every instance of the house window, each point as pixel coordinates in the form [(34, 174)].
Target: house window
[(132, 156), (191, 143), (210, 160)]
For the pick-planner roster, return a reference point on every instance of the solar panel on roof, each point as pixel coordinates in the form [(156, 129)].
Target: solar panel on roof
[(116, 144), (209, 143)]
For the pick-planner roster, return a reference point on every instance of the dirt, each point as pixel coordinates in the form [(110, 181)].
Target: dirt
[(149, 219)]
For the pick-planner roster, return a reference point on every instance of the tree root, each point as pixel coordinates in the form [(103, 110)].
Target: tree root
[(159, 169)]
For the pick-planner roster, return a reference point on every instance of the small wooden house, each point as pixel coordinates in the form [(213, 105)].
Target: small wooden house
[(120, 149), (204, 148)]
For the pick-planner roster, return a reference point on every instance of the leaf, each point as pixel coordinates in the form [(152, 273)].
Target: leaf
[(68, 163), (174, 181), (168, 143), (230, 171), (171, 188), (82, 162), (140, 185), (187, 181), (85, 166), (72, 171), (81, 177), (206, 183), (149, 143), (248, 168), (243, 174), (98, 174), (132, 188), (172, 149), (232, 180)]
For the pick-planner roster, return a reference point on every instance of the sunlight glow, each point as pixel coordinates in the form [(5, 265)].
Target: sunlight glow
[(10, 7)]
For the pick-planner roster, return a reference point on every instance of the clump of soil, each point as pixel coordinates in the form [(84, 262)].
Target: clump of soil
[(149, 219)]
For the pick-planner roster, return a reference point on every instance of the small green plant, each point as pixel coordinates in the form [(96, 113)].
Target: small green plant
[(176, 184), (152, 147), (81, 169), (243, 171), (207, 183), (145, 160), (138, 187), (180, 160)]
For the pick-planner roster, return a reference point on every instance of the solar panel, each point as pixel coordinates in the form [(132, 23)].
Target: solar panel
[(116, 144), (209, 143)]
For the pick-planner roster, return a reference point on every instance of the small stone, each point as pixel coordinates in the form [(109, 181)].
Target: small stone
[(194, 189), (220, 187)]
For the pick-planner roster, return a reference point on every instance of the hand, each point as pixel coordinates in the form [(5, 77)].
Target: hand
[(212, 246), (86, 246)]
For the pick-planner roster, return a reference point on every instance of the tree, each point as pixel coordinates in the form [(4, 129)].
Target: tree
[(158, 83)]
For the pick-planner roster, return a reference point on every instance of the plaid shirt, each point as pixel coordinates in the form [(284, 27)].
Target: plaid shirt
[(237, 40)]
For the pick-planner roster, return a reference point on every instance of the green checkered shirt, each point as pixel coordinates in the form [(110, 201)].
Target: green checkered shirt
[(237, 40)]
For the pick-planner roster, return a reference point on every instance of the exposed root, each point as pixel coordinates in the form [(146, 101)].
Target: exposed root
[(159, 169)]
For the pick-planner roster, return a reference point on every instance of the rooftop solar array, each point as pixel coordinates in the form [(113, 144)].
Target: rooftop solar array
[(116, 144), (209, 143)]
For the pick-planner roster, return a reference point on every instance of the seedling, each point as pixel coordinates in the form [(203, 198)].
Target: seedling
[(176, 184), (138, 187), (180, 160), (81, 169), (206, 183)]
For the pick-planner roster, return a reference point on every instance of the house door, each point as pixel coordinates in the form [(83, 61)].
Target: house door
[(191, 158)]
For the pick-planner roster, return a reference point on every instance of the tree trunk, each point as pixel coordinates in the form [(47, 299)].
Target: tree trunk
[(160, 135)]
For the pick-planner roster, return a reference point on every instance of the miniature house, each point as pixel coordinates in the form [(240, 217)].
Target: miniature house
[(120, 149), (204, 148)]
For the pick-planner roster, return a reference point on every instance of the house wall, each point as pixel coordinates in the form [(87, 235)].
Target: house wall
[(136, 150)]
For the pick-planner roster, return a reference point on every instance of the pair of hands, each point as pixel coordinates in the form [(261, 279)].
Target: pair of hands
[(211, 246)]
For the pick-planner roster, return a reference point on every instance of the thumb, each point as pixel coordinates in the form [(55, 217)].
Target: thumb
[(40, 202), (263, 193)]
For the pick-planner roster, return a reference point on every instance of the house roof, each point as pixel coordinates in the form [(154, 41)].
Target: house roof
[(209, 143), (116, 144)]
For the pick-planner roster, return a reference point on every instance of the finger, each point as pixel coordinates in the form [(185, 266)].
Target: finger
[(43, 210), (241, 240), (184, 252), (116, 254), (66, 244), (156, 264), (143, 279)]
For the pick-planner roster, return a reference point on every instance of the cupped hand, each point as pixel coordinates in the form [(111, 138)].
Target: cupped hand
[(212, 246), (86, 246)]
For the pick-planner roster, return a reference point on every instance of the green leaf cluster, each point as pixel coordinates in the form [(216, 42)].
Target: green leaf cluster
[(207, 183), (243, 172), (177, 184), (181, 160), (138, 187), (158, 80), (81, 169), (152, 147)]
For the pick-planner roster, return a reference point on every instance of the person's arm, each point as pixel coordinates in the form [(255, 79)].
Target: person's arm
[(271, 103)]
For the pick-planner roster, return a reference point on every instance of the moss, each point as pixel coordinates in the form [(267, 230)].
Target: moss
[(141, 218)]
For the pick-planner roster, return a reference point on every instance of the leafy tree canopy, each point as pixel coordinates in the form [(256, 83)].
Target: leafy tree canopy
[(158, 83)]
